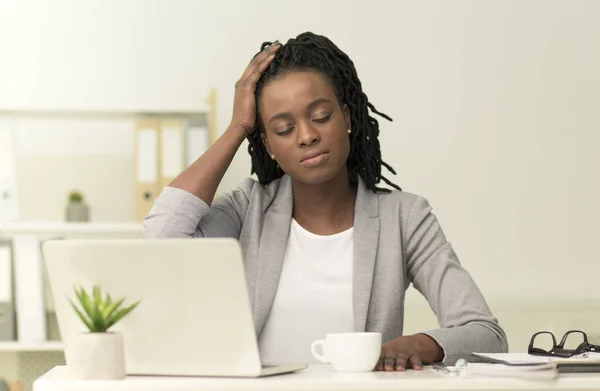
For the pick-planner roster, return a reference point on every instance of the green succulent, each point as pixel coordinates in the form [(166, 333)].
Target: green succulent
[(99, 313), (75, 196)]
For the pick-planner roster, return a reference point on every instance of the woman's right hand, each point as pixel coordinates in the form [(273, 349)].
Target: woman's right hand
[(244, 102)]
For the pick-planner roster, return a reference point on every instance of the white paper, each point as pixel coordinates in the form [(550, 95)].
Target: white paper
[(9, 208), (29, 292), (196, 143), (516, 358), (524, 358), (5, 274), (546, 371), (7, 157), (147, 159), (172, 152)]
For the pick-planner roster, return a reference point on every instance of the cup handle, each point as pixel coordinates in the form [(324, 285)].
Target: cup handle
[(313, 349)]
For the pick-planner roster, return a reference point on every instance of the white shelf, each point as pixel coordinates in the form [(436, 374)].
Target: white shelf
[(49, 228), (108, 113), (16, 346)]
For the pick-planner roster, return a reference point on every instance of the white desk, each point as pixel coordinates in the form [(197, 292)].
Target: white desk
[(318, 378)]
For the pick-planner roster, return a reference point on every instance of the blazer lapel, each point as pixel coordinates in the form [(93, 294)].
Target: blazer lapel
[(365, 242), (273, 240)]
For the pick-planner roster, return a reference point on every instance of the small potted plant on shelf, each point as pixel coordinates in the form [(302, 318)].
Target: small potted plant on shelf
[(99, 354), (77, 209)]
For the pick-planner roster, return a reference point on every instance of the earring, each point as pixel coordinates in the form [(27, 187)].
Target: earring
[(273, 157), (349, 131)]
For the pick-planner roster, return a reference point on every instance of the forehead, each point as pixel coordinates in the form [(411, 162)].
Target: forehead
[(295, 90)]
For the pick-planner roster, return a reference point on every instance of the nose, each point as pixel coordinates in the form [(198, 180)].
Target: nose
[(307, 135)]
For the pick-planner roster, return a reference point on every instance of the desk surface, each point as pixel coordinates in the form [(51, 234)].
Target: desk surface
[(319, 377)]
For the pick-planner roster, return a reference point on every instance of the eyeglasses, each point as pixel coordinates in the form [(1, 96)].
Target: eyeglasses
[(574, 342)]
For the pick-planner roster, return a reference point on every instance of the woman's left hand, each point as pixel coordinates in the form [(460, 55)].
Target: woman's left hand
[(410, 351)]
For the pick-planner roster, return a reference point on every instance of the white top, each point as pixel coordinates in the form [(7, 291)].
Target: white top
[(314, 296), (320, 378)]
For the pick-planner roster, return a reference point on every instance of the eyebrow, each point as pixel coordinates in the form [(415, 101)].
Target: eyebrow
[(311, 106)]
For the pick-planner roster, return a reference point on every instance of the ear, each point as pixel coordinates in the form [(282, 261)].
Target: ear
[(265, 141), (346, 111)]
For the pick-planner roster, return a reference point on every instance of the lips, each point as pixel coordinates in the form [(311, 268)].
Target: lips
[(312, 155), (315, 158)]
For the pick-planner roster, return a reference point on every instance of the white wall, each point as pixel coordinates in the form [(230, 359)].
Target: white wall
[(494, 105), (56, 156)]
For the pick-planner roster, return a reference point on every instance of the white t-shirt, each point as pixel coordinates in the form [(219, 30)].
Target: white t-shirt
[(314, 296)]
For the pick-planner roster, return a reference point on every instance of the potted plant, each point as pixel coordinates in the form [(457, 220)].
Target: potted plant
[(98, 354), (77, 210)]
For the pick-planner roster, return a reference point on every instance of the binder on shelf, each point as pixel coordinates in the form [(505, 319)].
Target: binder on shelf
[(15, 386), (9, 209), (212, 119), (197, 140), (7, 309), (165, 144), (146, 166), (171, 151), (29, 289)]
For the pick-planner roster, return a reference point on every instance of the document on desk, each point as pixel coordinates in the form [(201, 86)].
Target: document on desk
[(524, 358), (544, 371), (587, 362)]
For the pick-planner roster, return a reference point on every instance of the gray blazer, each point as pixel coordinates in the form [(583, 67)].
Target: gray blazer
[(397, 241)]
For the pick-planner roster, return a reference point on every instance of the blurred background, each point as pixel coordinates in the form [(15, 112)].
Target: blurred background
[(495, 109)]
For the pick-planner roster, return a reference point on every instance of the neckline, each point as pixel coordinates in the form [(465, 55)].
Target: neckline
[(317, 236)]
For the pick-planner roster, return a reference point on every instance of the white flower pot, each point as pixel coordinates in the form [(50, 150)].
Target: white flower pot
[(77, 212), (97, 356)]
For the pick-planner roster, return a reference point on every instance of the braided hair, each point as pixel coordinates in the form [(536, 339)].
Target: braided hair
[(311, 52)]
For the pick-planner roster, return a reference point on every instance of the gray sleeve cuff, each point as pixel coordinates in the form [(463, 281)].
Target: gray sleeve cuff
[(175, 213), (464, 340)]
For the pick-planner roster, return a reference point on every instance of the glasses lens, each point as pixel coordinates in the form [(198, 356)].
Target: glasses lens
[(573, 340), (544, 342)]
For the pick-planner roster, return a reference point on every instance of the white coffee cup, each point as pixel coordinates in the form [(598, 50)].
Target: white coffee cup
[(349, 352)]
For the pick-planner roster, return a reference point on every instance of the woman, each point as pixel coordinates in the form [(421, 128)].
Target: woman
[(325, 249)]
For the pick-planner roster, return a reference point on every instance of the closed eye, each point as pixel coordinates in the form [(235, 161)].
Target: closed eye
[(322, 120), (285, 132)]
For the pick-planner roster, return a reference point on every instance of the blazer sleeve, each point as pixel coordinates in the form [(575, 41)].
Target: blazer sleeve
[(177, 213), (466, 322)]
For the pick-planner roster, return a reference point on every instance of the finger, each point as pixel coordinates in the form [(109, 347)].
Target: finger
[(268, 50), (256, 60), (265, 55), (254, 73), (389, 363), (252, 78), (400, 363), (379, 366), (415, 362)]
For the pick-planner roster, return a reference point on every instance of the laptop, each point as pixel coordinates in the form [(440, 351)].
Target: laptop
[(194, 318)]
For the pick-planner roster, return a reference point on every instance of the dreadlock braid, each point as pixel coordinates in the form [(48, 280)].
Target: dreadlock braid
[(311, 52)]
